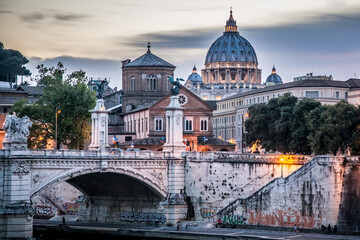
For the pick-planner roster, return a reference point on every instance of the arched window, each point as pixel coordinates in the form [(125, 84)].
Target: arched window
[(151, 83), (203, 124), (188, 126), (132, 83), (158, 124)]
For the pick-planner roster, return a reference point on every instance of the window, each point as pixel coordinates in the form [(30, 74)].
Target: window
[(151, 83), (312, 94), (188, 126), (203, 124), (142, 125), (132, 83), (205, 98), (346, 95), (337, 94), (158, 124), (146, 122), (139, 125), (134, 125), (267, 98)]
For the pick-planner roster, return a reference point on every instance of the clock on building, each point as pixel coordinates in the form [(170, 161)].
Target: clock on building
[(182, 99)]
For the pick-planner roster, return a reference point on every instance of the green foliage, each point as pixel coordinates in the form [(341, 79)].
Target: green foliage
[(299, 141), (11, 65), (74, 100), (333, 128), (270, 124), (305, 127)]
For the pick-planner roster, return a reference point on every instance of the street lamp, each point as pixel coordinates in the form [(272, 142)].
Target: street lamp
[(57, 111), (282, 161), (245, 116)]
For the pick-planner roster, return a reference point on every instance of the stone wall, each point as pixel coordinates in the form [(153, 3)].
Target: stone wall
[(119, 209), (349, 214), (309, 197), (212, 180)]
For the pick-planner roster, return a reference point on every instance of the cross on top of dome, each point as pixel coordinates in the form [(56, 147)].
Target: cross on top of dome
[(231, 24)]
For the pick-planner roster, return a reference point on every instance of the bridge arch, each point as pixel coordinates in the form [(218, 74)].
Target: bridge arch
[(154, 183)]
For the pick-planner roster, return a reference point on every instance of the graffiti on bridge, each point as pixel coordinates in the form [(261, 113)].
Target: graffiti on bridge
[(207, 212), (71, 208), (283, 218), (232, 219), (43, 210), (149, 217)]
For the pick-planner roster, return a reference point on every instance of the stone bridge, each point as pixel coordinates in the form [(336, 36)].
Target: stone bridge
[(132, 181), (154, 186)]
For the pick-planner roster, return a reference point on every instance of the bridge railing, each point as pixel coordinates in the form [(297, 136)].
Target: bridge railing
[(64, 153), (233, 156)]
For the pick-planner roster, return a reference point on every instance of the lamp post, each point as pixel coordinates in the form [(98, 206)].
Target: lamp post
[(282, 161), (57, 111), (245, 116)]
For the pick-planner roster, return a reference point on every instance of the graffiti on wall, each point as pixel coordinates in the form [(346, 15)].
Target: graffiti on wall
[(71, 208), (207, 212), (43, 210), (149, 217), (232, 219), (283, 218)]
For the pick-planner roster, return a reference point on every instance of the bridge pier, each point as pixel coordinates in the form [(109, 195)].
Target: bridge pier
[(175, 202), (16, 214)]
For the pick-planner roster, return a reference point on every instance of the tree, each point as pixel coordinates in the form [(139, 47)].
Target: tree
[(71, 96), (12, 64), (299, 141), (333, 128), (269, 123)]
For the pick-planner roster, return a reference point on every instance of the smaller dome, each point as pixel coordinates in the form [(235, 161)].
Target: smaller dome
[(273, 78), (194, 77)]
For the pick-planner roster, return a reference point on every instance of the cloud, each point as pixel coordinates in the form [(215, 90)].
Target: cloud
[(182, 39), (32, 17), (5, 12), (39, 15), (327, 34), (70, 17)]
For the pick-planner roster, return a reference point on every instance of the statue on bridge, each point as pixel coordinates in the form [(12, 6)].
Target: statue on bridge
[(100, 87), (176, 88), (16, 132)]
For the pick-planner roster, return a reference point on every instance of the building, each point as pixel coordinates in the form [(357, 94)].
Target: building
[(147, 125), (310, 76), (231, 66), (273, 78), (144, 80), (228, 119)]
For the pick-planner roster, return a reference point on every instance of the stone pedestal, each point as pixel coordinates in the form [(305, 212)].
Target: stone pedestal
[(99, 127), (174, 129), (15, 210), (16, 214), (175, 204)]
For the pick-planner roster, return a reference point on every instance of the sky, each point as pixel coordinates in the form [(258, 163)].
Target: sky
[(298, 37)]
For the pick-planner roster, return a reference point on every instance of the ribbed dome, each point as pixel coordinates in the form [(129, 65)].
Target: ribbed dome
[(273, 77), (231, 47), (194, 77)]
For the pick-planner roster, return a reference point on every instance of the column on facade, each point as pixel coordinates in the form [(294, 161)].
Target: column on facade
[(238, 76), (227, 76)]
